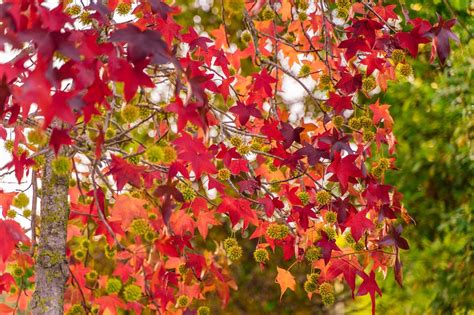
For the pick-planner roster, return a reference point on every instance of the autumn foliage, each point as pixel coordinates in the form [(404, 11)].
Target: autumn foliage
[(168, 132)]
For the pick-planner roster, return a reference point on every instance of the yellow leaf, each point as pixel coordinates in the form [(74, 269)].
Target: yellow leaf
[(286, 280)]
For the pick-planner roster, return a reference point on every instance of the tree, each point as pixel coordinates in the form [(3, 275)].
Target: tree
[(141, 136)]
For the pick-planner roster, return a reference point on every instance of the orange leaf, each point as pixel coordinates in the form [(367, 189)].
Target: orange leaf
[(5, 309), (286, 281)]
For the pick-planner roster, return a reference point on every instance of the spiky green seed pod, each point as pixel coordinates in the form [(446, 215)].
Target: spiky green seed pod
[(124, 8), (305, 70), (330, 217), (323, 197), (330, 232), (113, 285), (182, 269), (149, 236), (277, 231), (85, 18), (236, 141), (302, 5), (325, 80), (85, 244), (328, 299), (152, 216), (37, 137), (243, 149), (21, 200), (338, 121), (261, 255), (405, 69), (130, 113), (39, 162), (366, 122), (140, 226), (304, 197), (384, 163), (182, 301), (27, 213), (267, 13), (188, 193), (230, 242), (302, 16), (132, 293), (234, 6), (313, 253), (110, 252), (11, 214), (368, 84), (110, 133), (154, 154), (223, 174), (8, 145), (326, 288), (310, 287), (245, 36), (13, 289), (313, 277), (368, 135), (398, 56), (345, 4), (18, 271), (76, 309), (354, 123), (169, 154), (342, 13), (73, 10), (256, 146), (62, 165), (377, 172), (234, 252), (203, 310), (79, 254), (92, 275)]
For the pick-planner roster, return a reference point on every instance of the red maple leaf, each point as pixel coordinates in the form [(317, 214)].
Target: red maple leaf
[(238, 209), (343, 169), (20, 163), (12, 233), (373, 62), (370, 286), (263, 82), (327, 246), (245, 111), (195, 152), (124, 172), (186, 113), (441, 35), (339, 103), (130, 74), (359, 224), (59, 137), (418, 35)]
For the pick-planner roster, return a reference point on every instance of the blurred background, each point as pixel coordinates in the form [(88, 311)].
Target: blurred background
[(434, 126)]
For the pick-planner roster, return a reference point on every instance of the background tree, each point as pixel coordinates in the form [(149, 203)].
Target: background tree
[(142, 135)]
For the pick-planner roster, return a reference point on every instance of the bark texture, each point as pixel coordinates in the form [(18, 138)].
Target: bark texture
[(51, 268)]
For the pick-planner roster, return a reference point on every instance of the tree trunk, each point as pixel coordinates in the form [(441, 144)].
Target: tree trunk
[(51, 268)]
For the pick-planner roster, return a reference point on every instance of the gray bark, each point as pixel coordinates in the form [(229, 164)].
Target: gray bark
[(51, 267)]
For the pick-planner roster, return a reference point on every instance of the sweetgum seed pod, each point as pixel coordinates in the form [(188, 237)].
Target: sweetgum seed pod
[(310, 286), (113, 285), (203, 310), (132, 292), (230, 242)]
